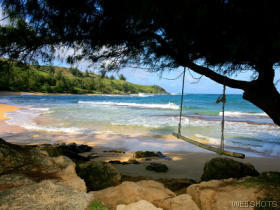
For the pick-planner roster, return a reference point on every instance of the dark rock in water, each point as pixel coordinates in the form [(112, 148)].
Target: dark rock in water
[(160, 155), (114, 151), (144, 154), (79, 148), (115, 162), (157, 167), (70, 150), (133, 161), (98, 175), (223, 168)]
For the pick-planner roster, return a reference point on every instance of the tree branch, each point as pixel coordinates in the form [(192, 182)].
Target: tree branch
[(217, 77)]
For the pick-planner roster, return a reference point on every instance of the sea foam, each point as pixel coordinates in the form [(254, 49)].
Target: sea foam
[(147, 106), (243, 114)]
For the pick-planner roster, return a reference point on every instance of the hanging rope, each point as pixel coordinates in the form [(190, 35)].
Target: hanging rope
[(182, 98), (222, 99), (223, 119), (219, 150)]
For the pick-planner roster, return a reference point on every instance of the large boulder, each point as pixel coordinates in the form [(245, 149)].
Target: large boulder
[(37, 165), (180, 202), (140, 205), (226, 194), (223, 168), (157, 167), (44, 195), (9, 181), (130, 192), (145, 154), (98, 175)]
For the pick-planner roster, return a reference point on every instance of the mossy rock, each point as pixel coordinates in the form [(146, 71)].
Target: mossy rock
[(265, 179), (145, 154), (223, 168), (157, 167), (98, 175)]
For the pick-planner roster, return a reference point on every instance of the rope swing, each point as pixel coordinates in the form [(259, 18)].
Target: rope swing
[(219, 150)]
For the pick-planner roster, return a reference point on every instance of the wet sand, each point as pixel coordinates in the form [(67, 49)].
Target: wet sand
[(183, 164), (6, 108)]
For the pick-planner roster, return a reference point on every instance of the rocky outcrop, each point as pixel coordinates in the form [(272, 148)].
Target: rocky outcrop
[(145, 154), (44, 195), (37, 165), (180, 202), (157, 167), (224, 194), (140, 205), (98, 175), (9, 181), (223, 168), (130, 192), (69, 150)]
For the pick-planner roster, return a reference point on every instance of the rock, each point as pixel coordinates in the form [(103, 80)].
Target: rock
[(70, 150), (115, 151), (133, 161), (14, 180), (223, 168), (221, 194), (140, 205), (44, 195), (141, 154), (130, 192), (36, 165), (180, 202), (160, 155), (67, 175), (157, 167), (177, 185), (115, 162), (98, 175)]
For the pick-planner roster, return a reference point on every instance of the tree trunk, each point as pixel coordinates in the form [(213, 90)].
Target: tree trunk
[(264, 95), (260, 92)]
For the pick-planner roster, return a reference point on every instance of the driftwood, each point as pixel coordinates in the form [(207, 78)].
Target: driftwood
[(211, 148)]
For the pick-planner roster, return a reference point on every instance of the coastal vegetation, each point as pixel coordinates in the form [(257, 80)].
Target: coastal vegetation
[(15, 76)]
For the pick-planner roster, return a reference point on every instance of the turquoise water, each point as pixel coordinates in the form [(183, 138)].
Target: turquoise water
[(147, 118)]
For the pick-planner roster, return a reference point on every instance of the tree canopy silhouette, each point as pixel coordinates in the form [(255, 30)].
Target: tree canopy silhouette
[(215, 38)]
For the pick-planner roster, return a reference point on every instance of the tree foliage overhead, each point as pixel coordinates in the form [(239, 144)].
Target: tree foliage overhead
[(225, 36)]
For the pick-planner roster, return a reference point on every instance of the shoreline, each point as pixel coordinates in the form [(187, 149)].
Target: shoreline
[(184, 164), (12, 93), (4, 108)]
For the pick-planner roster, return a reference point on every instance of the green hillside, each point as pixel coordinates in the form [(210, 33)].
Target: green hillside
[(53, 79)]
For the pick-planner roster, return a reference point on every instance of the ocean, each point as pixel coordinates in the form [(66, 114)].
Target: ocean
[(143, 122)]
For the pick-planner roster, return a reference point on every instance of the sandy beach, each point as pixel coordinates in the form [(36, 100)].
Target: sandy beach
[(184, 165), (6, 108)]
